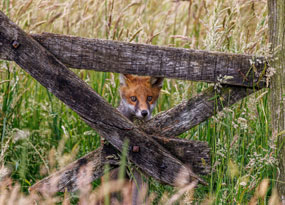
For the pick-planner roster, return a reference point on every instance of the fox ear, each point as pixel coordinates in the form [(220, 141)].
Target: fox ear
[(124, 78), (156, 82)]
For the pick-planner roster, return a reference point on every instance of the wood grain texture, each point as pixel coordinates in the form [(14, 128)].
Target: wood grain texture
[(152, 158), (140, 59), (188, 114)]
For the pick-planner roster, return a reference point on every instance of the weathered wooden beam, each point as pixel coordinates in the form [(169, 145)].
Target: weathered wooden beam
[(152, 158), (192, 153), (188, 114), (140, 59)]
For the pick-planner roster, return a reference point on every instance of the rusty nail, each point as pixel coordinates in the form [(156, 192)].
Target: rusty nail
[(136, 148), (15, 44)]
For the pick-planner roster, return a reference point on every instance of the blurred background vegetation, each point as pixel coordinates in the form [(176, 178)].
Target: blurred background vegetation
[(40, 135)]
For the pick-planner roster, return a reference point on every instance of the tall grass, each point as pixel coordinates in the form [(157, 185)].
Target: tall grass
[(39, 134)]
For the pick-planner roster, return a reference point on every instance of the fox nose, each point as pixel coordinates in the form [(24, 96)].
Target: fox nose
[(144, 113)]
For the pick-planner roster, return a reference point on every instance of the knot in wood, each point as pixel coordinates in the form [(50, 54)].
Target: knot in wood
[(15, 44), (136, 148)]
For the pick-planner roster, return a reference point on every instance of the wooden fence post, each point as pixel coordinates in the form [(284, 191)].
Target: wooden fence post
[(277, 40)]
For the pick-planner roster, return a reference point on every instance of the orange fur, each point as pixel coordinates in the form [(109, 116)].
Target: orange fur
[(140, 87)]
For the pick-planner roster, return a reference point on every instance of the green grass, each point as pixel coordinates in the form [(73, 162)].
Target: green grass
[(39, 134)]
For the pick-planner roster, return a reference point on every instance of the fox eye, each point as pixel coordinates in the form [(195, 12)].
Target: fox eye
[(133, 98), (149, 98)]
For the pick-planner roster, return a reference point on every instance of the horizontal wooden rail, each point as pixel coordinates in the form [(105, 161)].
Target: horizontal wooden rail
[(140, 59), (152, 158)]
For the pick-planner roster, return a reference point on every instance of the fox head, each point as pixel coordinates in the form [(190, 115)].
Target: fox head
[(139, 95)]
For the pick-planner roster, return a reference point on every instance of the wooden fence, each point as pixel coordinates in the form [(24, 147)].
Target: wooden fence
[(161, 155)]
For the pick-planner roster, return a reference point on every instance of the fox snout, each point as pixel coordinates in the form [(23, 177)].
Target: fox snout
[(143, 114)]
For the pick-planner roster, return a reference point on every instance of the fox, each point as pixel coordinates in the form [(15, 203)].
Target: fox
[(138, 98), (138, 95)]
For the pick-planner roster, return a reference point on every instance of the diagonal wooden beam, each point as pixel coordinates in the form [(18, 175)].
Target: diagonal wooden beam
[(188, 114), (140, 59), (152, 158)]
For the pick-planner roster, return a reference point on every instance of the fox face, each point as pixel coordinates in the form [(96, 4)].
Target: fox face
[(139, 95)]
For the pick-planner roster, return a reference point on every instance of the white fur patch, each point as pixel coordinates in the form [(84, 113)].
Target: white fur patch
[(130, 108)]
